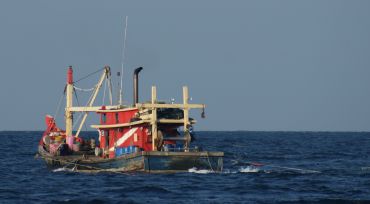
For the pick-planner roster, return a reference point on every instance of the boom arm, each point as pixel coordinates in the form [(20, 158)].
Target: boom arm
[(96, 91)]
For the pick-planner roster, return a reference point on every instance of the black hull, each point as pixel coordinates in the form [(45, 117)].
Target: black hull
[(151, 162)]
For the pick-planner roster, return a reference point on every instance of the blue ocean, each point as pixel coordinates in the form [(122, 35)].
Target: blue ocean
[(259, 167)]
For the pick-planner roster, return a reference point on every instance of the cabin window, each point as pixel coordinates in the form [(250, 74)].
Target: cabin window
[(104, 118), (117, 118), (120, 129), (107, 138)]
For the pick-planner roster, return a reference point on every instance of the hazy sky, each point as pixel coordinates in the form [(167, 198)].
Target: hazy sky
[(258, 65)]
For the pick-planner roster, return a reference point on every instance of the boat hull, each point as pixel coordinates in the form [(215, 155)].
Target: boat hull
[(151, 162)]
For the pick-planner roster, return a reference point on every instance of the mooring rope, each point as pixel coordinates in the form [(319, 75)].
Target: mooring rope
[(282, 167), (209, 162)]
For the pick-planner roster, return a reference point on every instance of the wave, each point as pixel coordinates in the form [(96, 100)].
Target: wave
[(199, 171), (63, 169), (249, 169)]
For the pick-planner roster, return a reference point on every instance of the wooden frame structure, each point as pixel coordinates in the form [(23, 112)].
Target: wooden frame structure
[(153, 107)]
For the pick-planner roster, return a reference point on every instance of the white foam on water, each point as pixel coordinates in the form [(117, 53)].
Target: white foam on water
[(199, 171), (228, 171), (249, 169), (62, 169)]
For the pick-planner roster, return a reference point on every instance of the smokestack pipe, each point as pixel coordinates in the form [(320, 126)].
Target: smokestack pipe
[(136, 85)]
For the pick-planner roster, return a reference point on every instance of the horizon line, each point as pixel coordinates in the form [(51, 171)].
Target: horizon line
[(343, 131)]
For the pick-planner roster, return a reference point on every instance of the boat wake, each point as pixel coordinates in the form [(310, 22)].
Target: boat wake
[(257, 169), (199, 171), (247, 169), (63, 169)]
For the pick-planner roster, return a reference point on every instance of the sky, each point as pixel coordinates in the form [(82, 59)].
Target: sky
[(257, 65)]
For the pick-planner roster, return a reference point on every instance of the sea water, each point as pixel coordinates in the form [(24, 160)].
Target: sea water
[(259, 167)]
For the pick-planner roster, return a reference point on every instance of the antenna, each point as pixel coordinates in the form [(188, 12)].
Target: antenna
[(123, 59), (118, 89)]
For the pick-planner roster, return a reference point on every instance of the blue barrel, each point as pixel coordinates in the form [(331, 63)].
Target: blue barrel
[(131, 149), (119, 151)]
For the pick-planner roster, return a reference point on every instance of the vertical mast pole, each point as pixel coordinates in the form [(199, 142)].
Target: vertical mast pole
[(154, 119), (69, 102), (185, 94), (123, 60)]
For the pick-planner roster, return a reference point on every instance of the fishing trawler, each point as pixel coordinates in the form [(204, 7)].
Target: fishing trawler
[(153, 137)]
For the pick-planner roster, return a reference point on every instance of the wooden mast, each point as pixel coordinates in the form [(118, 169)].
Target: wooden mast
[(154, 119), (185, 94), (69, 102)]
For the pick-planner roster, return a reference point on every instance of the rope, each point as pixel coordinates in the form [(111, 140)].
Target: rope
[(294, 169), (78, 103), (79, 118), (88, 75), (105, 88), (87, 166), (59, 105), (209, 162), (283, 167), (77, 121)]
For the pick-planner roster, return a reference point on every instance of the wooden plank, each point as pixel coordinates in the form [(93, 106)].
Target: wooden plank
[(93, 109), (121, 124), (202, 154), (175, 138), (181, 106), (165, 121), (175, 121)]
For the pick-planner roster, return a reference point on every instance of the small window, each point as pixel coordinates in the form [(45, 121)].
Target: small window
[(117, 118), (104, 118)]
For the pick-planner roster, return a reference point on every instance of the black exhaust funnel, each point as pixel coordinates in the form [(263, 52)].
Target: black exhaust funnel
[(136, 85)]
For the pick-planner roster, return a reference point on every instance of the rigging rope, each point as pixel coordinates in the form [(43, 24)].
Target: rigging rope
[(89, 75), (209, 162), (105, 88), (59, 105), (78, 103), (79, 117)]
